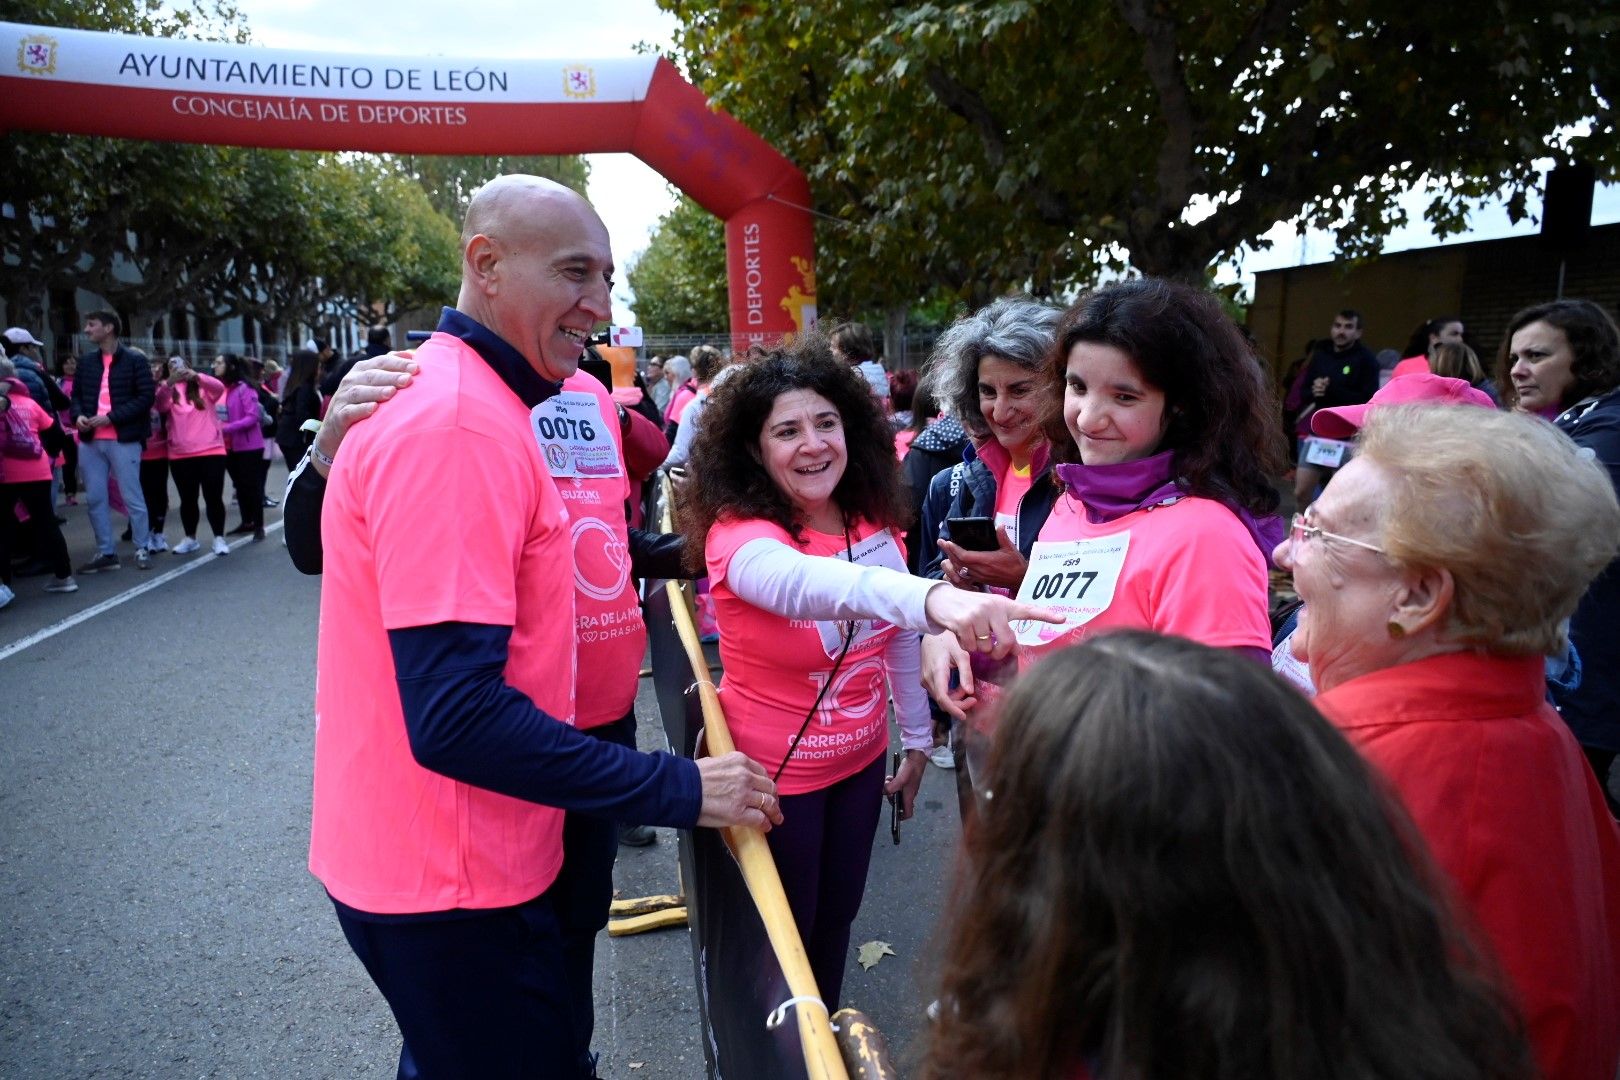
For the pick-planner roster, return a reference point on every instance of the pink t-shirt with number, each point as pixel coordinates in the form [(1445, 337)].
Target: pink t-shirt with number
[(1191, 569), (775, 666), (607, 611), (440, 509)]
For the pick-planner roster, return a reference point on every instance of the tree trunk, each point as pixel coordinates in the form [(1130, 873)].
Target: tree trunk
[(894, 337)]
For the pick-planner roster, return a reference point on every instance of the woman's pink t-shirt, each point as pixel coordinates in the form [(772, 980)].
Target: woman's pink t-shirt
[(1011, 488), (440, 509), (591, 478), (157, 440), (16, 470), (775, 666), (1190, 568)]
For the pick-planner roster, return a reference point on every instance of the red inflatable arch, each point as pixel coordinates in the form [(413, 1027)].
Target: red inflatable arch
[(88, 83)]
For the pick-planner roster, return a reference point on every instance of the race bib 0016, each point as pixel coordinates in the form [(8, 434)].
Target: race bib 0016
[(879, 549), (1075, 578), (574, 438)]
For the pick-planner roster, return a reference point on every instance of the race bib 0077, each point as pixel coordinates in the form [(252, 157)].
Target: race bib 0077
[(1075, 578), (879, 549), (573, 437)]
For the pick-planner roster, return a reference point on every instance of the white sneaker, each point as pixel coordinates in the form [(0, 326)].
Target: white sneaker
[(943, 756), (220, 546), (66, 584), (159, 542), (187, 546), (6, 595)]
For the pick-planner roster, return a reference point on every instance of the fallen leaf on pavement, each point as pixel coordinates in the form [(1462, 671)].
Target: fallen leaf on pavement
[(870, 953)]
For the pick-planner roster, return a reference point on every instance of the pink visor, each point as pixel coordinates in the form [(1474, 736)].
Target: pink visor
[(1346, 420)]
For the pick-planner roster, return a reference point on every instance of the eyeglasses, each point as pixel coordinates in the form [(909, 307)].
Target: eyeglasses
[(1300, 532)]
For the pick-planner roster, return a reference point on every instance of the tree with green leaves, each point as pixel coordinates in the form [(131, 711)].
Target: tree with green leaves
[(679, 281), (451, 179), (983, 146), (277, 236)]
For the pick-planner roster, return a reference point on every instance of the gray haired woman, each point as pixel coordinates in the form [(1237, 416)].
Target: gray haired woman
[(988, 373)]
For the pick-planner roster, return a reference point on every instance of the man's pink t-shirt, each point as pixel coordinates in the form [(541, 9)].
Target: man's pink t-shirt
[(776, 666), (104, 398), (607, 611), (16, 470), (440, 509), (1190, 569)]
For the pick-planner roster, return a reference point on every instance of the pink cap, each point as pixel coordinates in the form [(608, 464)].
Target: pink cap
[(1412, 365), (1346, 420)]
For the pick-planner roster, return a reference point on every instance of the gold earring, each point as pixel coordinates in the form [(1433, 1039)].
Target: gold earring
[(1396, 630)]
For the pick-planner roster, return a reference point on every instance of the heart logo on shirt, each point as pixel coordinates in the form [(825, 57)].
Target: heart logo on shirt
[(601, 560)]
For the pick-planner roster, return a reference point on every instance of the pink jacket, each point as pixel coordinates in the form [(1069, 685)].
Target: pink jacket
[(242, 419), (193, 430)]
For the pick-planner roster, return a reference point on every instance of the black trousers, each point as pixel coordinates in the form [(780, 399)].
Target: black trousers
[(35, 495), (583, 892), (207, 475), (451, 1033), (481, 996), (70, 468), (247, 476), (155, 488)]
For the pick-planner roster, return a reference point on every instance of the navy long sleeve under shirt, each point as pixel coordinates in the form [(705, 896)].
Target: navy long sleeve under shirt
[(466, 722)]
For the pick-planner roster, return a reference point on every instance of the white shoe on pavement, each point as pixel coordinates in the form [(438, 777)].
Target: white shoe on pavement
[(187, 546), (143, 560), (943, 756), (6, 595), (220, 546), (158, 543), (66, 584)]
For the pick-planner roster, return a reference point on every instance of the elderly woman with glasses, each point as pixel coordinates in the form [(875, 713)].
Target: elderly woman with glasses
[(1437, 570)]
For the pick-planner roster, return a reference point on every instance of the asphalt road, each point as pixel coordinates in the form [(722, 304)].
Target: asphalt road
[(156, 916)]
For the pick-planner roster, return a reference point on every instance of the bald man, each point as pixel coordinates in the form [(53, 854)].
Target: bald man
[(445, 753)]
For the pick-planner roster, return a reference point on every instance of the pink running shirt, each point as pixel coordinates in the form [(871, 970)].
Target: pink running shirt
[(776, 666), (594, 485), (439, 509), (1190, 569)]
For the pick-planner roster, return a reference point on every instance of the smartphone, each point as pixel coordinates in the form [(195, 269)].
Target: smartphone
[(974, 533), (176, 363), (894, 806)]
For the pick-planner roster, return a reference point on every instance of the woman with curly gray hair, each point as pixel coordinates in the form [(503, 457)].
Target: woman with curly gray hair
[(987, 373)]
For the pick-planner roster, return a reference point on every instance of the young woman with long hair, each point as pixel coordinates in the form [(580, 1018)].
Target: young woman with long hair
[(189, 399), (1159, 417), (300, 402), (795, 511)]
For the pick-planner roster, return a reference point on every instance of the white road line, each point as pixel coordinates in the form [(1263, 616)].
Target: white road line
[(124, 597)]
